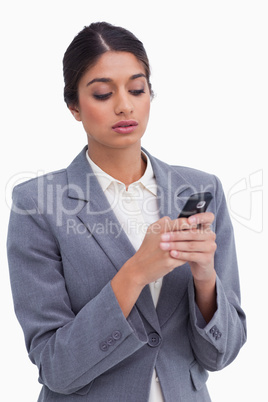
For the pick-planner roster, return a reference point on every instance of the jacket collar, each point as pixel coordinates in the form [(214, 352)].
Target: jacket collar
[(172, 189)]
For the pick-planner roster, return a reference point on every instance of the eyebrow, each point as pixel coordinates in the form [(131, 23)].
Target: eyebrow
[(133, 77)]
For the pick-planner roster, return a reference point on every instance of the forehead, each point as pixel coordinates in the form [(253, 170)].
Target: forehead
[(115, 65)]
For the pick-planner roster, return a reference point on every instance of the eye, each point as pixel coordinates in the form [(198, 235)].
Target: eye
[(102, 97), (137, 92)]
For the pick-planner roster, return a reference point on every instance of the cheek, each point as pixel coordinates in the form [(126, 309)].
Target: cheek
[(91, 114), (146, 110)]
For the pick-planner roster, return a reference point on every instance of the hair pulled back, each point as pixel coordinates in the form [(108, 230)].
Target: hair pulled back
[(87, 47)]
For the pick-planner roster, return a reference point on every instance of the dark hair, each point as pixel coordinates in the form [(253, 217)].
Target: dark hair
[(87, 47)]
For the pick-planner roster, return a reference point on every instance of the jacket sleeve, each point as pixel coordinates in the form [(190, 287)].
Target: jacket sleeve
[(70, 350), (217, 343)]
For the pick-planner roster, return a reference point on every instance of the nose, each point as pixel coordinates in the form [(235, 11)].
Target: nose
[(123, 104)]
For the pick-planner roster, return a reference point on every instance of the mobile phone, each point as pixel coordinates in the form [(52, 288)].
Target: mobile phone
[(195, 204)]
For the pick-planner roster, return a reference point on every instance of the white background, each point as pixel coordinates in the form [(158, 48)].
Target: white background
[(209, 72)]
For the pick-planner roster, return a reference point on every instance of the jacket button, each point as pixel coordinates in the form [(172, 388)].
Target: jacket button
[(213, 329), (215, 332), (116, 335), (154, 340), (110, 341), (104, 346)]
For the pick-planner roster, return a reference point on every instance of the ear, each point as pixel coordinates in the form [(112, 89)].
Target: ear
[(75, 112)]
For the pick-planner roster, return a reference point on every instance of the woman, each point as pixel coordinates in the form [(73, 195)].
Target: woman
[(118, 299)]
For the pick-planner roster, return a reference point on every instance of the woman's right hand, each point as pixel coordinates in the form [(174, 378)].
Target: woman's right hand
[(151, 262), (147, 265)]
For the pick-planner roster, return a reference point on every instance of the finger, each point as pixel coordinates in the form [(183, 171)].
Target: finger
[(179, 224), (192, 234), (190, 246), (199, 258), (204, 218)]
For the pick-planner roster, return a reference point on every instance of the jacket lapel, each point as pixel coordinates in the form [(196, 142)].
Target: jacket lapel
[(97, 215), (173, 189)]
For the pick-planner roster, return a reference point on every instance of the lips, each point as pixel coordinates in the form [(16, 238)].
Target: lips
[(125, 126)]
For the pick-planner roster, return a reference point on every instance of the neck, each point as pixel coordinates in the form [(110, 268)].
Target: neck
[(125, 165)]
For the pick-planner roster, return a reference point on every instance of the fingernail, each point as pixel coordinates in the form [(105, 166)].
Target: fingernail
[(174, 253), (165, 237), (192, 219), (164, 246)]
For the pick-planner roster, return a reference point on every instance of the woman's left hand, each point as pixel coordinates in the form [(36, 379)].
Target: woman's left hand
[(192, 240)]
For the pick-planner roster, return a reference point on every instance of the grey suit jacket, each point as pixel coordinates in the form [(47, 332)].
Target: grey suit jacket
[(64, 247)]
